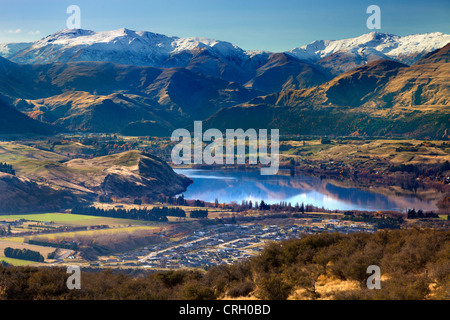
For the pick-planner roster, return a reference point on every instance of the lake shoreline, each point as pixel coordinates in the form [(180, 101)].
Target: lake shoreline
[(418, 200)]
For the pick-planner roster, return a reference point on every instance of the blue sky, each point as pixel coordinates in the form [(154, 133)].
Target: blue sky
[(275, 25)]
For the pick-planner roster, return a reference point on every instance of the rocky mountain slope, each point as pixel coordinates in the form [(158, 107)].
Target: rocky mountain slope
[(130, 174)]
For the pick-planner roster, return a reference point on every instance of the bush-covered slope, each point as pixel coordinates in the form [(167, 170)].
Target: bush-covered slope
[(414, 265)]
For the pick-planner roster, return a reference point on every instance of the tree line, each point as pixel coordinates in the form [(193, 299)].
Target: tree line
[(155, 214), (60, 244), (200, 214), (23, 254), (180, 200), (412, 214), (7, 168), (5, 231), (282, 206)]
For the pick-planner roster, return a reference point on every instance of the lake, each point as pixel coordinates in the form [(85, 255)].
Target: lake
[(234, 185)]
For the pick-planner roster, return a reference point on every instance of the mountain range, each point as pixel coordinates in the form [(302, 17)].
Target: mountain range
[(117, 81), (209, 56), (105, 97), (381, 98)]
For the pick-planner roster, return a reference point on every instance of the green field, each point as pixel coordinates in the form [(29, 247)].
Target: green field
[(55, 217), (74, 219), (17, 262), (67, 219), (12, 152), (73, 234)]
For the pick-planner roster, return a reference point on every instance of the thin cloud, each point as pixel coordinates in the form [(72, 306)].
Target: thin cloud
[(34, 32), (15, 31)]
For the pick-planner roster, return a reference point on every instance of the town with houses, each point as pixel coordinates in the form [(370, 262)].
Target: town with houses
[(225, 244)]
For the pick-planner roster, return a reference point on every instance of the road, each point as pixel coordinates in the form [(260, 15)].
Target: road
[(170, 248)]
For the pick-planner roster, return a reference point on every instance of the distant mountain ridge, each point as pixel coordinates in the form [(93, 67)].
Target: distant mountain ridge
[(381, 98), (81, 80), (217, 58), (106, 97)]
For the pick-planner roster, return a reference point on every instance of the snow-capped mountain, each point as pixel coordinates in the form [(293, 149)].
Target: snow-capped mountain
[(212, 57), (106, 81), (146, 48), (123, 46), (406, 49), (381, 98), (222, 59)]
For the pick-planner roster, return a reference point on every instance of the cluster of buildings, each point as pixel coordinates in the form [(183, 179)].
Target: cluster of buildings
[(227, 244)]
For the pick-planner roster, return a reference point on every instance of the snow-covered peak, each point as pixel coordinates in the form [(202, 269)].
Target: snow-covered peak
[(254, 53), (224, 48), (80, 37), (143, 48), (382, 44), (65, 36), (125, 39)]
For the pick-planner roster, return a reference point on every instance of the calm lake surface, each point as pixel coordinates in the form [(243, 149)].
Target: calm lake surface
[(233, 185)]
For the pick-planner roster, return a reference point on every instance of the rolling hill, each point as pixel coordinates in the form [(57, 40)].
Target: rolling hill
[(21, 195), (47, 181)]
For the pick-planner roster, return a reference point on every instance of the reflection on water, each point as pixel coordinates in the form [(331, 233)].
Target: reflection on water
[(228, 186)]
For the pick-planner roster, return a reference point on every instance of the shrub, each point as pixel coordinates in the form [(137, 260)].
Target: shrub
[(273, 287), (241, 289), (196, 291)]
